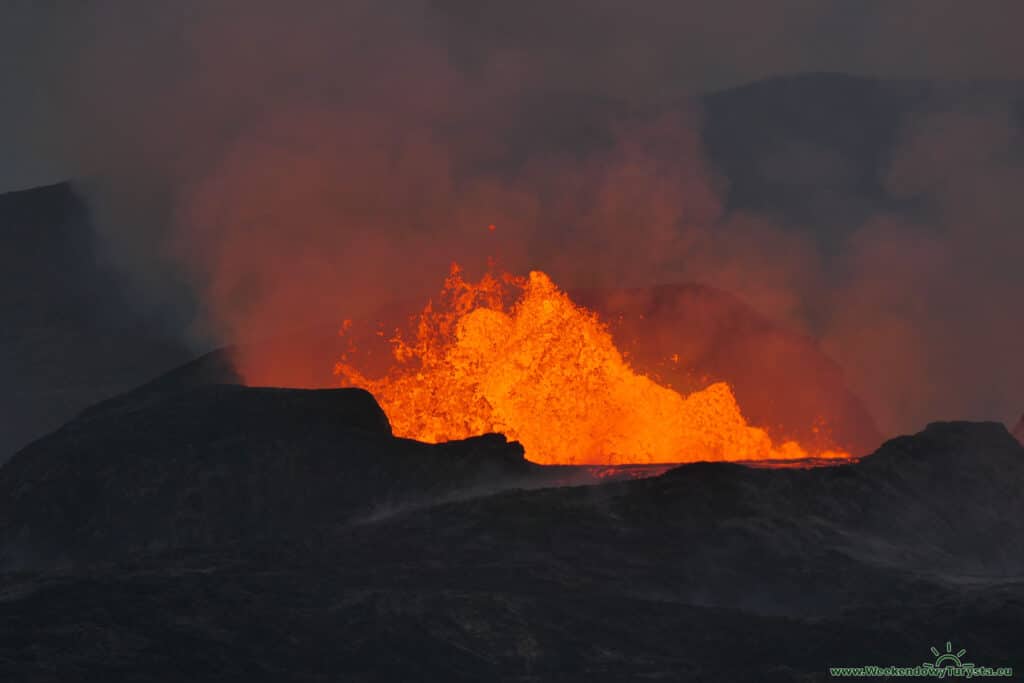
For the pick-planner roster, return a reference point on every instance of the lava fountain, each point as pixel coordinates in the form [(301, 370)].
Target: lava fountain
[(515, 355)]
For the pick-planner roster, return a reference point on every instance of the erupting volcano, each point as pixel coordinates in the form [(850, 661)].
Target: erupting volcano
[(516, 355)]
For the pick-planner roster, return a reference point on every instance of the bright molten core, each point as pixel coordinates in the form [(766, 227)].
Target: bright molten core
[(545, 372)]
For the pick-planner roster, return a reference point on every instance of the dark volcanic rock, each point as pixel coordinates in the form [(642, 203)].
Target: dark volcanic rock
[(808, 542), (223, 465), (230, 534), (252, 622)]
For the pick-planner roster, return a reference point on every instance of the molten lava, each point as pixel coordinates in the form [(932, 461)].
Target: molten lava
[(517, 356)]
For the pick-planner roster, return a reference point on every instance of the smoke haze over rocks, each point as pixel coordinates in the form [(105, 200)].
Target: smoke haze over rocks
[(287, 166)]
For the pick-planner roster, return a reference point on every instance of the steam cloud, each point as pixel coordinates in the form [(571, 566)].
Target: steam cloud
[(294, 164)]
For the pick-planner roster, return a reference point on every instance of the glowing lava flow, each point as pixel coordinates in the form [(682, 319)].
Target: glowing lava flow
[(545, 372)]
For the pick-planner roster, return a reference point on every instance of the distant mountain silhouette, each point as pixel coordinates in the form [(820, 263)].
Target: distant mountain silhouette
[(813, 150), (69, 335)]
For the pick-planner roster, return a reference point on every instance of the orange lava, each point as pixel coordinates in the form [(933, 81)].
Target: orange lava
[(517, 356)]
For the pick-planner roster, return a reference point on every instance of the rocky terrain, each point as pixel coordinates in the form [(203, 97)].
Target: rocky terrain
[(214, 532)]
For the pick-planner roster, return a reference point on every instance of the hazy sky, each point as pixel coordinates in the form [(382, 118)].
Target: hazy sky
[(640, 51)]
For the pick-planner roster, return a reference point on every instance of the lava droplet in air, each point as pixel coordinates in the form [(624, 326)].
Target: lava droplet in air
[(517, 356)]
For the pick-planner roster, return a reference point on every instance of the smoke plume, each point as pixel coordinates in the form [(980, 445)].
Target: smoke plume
[(287, 166)]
